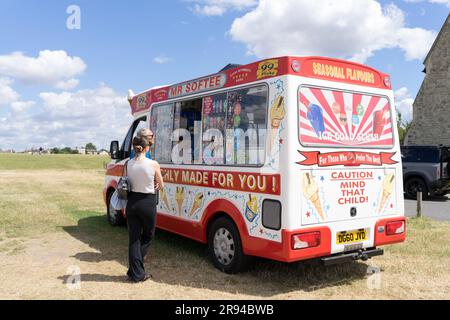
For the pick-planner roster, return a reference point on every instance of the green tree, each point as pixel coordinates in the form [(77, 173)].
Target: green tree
[(90, 147), (66, 150), (403, 127)]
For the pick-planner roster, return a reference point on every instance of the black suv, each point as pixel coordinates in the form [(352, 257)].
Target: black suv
[(426, 168)]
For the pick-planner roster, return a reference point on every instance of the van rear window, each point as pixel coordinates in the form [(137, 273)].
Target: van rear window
[(334, 118)]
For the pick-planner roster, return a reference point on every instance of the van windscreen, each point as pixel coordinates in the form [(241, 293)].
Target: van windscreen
[(334, 118)]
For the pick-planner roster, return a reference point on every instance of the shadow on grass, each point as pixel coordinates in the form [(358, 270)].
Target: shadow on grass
[(87, 277), (175, 260)]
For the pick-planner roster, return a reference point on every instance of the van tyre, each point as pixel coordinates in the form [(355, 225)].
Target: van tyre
[(225, 247), (115, 217), (412, 185)]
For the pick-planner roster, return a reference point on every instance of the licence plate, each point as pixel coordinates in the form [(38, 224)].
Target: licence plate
[(345, 237)]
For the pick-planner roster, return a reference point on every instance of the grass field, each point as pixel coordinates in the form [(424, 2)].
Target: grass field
[(51, 162), (52, 218)]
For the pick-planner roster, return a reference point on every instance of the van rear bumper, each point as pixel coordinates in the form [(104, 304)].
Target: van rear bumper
[(283, 251), (352, 256)]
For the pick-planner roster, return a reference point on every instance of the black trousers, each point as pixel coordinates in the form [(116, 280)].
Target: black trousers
[(141, 220)]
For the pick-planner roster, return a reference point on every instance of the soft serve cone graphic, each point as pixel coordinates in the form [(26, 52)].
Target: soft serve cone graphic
[(277, 113), (388, 184), (179, 198), (311, 192), (251, 210), (197, 203), (163, 196)]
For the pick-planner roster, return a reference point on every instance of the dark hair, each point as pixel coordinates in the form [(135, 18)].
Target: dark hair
[(139, 144)]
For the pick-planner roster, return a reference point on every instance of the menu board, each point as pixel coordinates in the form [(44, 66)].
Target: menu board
[(214, 117), (214, 112), (162, 128)]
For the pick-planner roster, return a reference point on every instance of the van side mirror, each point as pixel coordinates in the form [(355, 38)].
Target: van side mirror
[(114, 149)]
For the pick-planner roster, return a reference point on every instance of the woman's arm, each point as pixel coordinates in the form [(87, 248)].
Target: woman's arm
[(158, 175)]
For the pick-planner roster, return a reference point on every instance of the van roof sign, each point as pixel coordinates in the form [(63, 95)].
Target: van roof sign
[(312, 67), (215, 81)]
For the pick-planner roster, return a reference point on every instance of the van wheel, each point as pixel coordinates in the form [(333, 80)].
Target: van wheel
[(114, 216), (412, 185), (225, 247)]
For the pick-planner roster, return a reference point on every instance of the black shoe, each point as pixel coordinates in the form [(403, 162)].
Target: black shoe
[(146, 277)]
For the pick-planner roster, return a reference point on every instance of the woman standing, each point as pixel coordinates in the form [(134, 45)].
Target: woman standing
[(141, 207)]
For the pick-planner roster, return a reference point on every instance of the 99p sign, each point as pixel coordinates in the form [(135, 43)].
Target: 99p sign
[(268, 68)]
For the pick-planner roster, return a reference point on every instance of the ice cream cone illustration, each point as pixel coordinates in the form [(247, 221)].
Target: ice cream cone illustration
[(251, 209), (277, 113), (378, 123), (315, 117), (348, 116), (311, 192), (339, 112), (355, 115), (163, 196), (388, 184), (179, 198), (343, 119), (336, 108), (386, 115), (197, 203)]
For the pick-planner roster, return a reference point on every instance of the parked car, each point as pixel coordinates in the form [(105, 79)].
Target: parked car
[(426, 168)]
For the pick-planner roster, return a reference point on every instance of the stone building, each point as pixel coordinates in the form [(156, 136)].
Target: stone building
[(431, 109)]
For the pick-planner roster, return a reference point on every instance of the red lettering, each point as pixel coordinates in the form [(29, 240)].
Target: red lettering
[(200, 84), (175, 91), (218, 81)]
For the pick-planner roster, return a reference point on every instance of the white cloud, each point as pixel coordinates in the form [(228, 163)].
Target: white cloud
[(72, 119), (7, 94), (349, 29), (220, 7), (209, 10), (21, 106), (445, 2), (162, 59), (49, 67), (68, 84), (404, 103)]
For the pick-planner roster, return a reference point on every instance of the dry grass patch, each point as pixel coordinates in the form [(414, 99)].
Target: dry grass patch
[(53, 219), (35, 202)]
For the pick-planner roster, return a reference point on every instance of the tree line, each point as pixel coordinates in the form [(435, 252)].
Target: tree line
[(67, 150)]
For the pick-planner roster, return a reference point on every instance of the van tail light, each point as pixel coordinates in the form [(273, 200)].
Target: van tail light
[(395, 227), (305, 240)]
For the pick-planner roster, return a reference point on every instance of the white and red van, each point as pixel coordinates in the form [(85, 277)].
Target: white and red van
[(289, 158)]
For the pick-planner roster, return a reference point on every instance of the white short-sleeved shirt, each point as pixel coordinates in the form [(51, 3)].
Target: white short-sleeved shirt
[(141, 174)]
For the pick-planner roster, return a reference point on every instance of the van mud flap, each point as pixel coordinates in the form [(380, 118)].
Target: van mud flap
[(352, 256)]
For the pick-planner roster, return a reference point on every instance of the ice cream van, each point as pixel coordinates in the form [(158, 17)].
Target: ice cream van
[(288, 158)]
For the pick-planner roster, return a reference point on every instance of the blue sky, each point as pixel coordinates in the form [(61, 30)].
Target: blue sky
[(78, 95)]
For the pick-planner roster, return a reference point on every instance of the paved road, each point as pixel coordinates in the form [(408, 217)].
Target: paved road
[(437, 208)]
